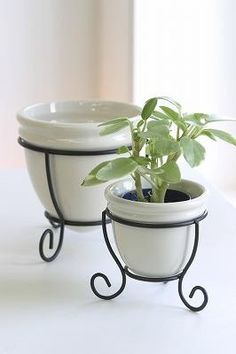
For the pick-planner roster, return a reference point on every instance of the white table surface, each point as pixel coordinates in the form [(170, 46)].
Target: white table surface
[(50, 308)]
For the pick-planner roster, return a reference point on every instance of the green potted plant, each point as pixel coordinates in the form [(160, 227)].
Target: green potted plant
[(155, 193)]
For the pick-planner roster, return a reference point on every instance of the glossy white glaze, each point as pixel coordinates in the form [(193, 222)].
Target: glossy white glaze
[(74, 124), (76, 202), (71, 126), (155, 252)]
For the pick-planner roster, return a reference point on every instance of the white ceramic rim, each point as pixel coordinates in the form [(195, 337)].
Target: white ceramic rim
[(24, 117), (156, 212), (111, 196), (79, 135)]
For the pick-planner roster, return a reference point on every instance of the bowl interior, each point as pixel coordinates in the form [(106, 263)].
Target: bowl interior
[(80, 112)]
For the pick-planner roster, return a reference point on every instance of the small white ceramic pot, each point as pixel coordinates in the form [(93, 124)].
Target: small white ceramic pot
[(72, 126), (155, 252)]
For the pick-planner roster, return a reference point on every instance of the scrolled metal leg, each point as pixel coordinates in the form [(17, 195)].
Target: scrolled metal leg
[(54, 224), (50, 234), (195, 288), (101, 275), (61, 224)]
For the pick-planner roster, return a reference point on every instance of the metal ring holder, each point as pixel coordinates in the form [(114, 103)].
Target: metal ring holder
[(126, 272), (59, 221)]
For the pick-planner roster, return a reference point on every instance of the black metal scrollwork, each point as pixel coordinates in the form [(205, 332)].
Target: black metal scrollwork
[(126, 272), (97, 275), (197, 287), (50, 234), (53, 221), (59, 224), (59, 221)]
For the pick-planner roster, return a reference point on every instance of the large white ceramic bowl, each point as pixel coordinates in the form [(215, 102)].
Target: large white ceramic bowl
[(154, 252), (72, 126)]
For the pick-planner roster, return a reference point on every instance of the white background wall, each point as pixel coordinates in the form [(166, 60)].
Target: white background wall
[(56, 50), (186, 49), (83, 49)]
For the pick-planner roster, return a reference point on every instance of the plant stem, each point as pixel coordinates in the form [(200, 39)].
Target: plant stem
[(148, 180), (154, 196), (138, 186), (174, 157), (177, 134), (137, 177), (162, 192)]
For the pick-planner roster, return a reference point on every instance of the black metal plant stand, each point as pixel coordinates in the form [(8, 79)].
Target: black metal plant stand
[(126, 272), (59, 221)]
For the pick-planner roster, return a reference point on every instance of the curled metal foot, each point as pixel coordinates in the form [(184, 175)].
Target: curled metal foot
[(108, 283), (126, 272), (101, 275), (191, 295), (58, 223), (196, 288), (49, 233)]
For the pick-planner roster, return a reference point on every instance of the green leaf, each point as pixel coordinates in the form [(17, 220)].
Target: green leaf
[(170, 112), (148, 108), (193, 151), (155, 131), (122, 150), (113, 121), (170, 100), (140, 124), (212, 118), (150, 172), (175, 117), (141, 160), (152, 151), (165, 147), (160, 115), (156, 124), (208, 134), (117, 168), (223, 136), (171, 172), (110, 129), (91, 179), (196, 118)]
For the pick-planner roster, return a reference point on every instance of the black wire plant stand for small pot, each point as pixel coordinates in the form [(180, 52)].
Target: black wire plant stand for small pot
[(126, 272), (58, 222)]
